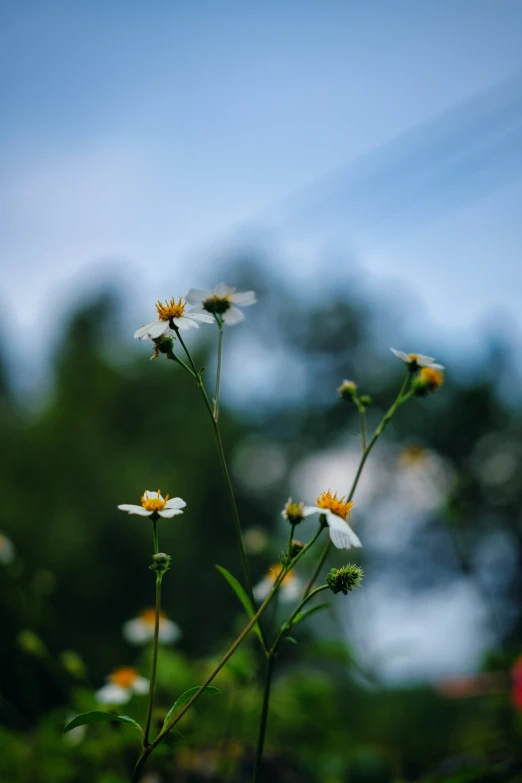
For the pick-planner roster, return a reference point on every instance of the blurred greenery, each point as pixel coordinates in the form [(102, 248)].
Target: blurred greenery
[(115, 424)]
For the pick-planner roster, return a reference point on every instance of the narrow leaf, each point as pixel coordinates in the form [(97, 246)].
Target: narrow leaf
[(99, 717), (309, 612), (290, 639), (184, 698), (243, 597)]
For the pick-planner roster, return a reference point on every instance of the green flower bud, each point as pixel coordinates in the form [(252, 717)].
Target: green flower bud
[(341, 580), (162, 344), (365, 400), (347, 390), (160, 563)]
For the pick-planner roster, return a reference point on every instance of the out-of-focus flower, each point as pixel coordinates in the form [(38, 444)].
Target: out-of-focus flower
[(7, 550), (413, 455), (347, 390), (289, 590), (121, 685), (428, 381), (336, 511), (171, 314), (296, 512), (255, 540), (344, 579), (155, 503), (416, 360), (220, 302), (140, 629)]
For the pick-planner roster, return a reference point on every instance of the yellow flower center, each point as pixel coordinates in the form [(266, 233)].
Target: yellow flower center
[(124, 677), (154, 504), (413, 356), (336, 505), (148, 616), (170, 309), (274, 572), (432, 379)]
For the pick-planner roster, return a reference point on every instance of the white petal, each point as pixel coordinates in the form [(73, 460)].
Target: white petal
[(233, 316), (424, 361), (113, 694), (196, 296), (139, 510), (436, 366), (175, 503), (339, 531), (222, 290), (169, 631), (185, 323), (401, 355), (262, 588), (244, 300), (307, 510), (159, 328), (151, 494), (140, 685), (291, 589), (202, 317), (135, 631), (168, 513), (143, 332)]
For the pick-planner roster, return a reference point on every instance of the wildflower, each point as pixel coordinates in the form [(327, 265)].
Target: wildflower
[(171, 316), (140, 629), (336, 511), (296, 512), (290, 588), (342, 580), (347, 390), (7, 550), (416, 360), (121, 685), (220, 302), (428, 381), (413, 455), (155, 503)]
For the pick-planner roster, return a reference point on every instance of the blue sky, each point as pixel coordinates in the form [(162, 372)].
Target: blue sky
[(139, 137)]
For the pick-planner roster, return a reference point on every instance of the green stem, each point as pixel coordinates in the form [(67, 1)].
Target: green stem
[(218, 370), (264, 718), (155, 646), (402, 397), (363, 428), (287, 626), (226, 475), (138, 769)]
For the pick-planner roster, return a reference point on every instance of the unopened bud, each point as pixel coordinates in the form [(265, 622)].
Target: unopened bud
[(347, 390), (365, 400), (160, 563), (342, 580), (162, 344)]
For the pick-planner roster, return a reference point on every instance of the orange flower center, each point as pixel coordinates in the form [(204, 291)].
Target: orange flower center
[(154, 504), (336, 505), (413, 356), (148, 616), (170, 309), (274, 572), (433, 379), (124, 677)]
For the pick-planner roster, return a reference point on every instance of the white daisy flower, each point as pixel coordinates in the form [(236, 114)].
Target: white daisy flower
[(171, 314), (220, 302), (140, 629), (155, 503), (121, 685), (416, 360), (290, 588), (336, 510), (7, 550)]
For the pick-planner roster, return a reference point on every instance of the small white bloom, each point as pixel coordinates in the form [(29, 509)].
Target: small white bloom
[(171, 314), (121, 685), (220, 302), (7, 550), (155, 503), (336, 511), (140, 630), (289, 590), (415, 360)]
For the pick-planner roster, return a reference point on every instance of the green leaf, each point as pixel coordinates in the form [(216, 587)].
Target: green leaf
[(309, 612), (243, 597), (290, 639), (184, 698), (99, 717)]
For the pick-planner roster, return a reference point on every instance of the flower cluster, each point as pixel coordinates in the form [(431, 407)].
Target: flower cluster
[(430, 376)]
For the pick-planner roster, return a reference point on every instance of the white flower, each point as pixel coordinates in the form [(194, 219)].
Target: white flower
[(336, 510), (220, 302), (7, 550), (415, 360), (289, 590), (171, 314), (121, 685), (140, 630), (155, 503)]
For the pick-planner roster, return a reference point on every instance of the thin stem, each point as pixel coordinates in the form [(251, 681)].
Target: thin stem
[(218, 370), (140, 764), (363, 428), (264, 718), (286, 627), (154, 661), (155, 535), (226, 475)]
